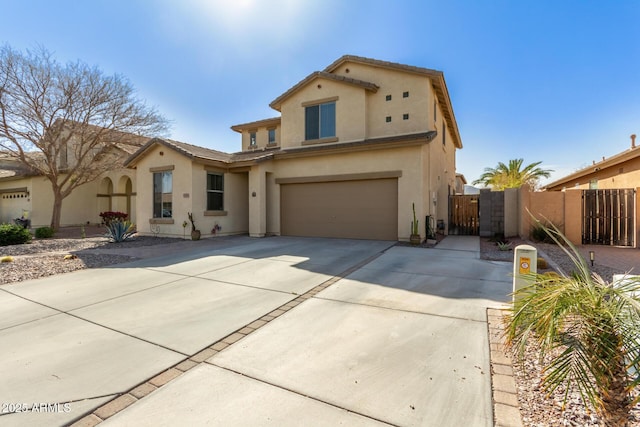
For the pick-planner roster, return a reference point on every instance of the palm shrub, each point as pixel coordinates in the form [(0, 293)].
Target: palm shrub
[(119, 231), (589, 327), (11, 234)]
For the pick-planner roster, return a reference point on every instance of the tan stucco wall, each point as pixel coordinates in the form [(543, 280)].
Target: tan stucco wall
[(409, 160), (511, 212), (262, 137), (189, 195), (563, 209), (361, 114), (350, 111), (391, 82), (81, 206)]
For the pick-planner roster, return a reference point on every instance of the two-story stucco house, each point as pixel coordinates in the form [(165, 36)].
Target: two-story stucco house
[(354, 147)]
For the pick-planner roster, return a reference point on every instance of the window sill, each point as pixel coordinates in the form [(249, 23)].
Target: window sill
[(215, 213), (320, 141), (161, 221)]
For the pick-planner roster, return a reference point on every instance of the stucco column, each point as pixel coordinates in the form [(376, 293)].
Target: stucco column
[(257, 202)]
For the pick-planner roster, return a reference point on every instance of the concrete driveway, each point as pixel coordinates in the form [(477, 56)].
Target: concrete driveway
[(401, 340)]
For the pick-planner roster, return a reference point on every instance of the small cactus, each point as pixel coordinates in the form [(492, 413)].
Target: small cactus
[(6, 259)]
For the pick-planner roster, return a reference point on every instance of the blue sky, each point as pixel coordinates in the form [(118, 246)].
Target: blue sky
[(551, 81)]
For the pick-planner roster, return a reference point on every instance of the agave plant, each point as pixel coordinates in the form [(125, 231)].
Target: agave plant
[(119, 231), (589, 327)]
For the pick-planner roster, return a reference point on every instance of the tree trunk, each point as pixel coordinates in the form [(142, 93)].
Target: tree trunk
[(57, 209), (616, 402)]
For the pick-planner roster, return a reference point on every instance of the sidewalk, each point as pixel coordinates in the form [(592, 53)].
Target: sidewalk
[(618, 258)]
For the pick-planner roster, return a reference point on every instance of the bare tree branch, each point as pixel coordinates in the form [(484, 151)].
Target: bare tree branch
[(67, 122)]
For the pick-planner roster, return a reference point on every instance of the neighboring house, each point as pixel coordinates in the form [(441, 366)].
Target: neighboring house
[(354, 147), (619, 171), (461, 182), (25, 192), (605, 210)]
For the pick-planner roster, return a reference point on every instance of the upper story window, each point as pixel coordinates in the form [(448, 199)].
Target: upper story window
[(405, 94), (444, 134), (272, 136), (162, 195), (320, 121), (252, 139), (435, 111), (388, 98), (215, 192)]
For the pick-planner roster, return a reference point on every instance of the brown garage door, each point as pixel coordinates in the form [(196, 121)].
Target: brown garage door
[(363, 209)]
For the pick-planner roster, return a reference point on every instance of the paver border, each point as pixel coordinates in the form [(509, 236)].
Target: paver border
[(506, 408), (123, 400)]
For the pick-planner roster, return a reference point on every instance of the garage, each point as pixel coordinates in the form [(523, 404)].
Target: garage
[(354, 209)]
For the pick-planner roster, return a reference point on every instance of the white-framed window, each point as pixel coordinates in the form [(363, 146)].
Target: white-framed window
[(320, 121), (215, 191), (252, 139), (163, 194)]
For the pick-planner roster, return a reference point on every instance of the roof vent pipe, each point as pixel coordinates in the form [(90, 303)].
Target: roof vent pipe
[(633, 140)]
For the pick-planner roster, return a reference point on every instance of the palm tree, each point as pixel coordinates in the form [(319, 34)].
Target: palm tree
[(591, 329), (512, 176)]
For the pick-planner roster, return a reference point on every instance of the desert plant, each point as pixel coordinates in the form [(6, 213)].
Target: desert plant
[(7, 258), (414, 224), (44, 232), (119, 231), (539, 233), (589, 327), (195, 233), (193, 223), (504, 246), (512, 175), (11, 234)]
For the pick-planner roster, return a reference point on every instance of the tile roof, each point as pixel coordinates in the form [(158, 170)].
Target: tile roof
[(384, 64), (274, 121), (276, 103), (10, 168), (202, 154), (395, 140), (616, 159)]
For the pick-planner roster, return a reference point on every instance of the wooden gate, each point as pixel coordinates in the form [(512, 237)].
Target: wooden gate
[(608, 217), (464, 214)]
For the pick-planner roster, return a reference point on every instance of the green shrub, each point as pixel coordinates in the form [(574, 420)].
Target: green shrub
[(44, 232), (11, 234), (119, 231), (539, 234)]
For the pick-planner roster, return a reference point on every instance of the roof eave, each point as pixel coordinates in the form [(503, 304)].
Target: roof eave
[(603, 164)]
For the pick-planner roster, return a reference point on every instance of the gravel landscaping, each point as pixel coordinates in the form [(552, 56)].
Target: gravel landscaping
[(536, 408), (46, 257)]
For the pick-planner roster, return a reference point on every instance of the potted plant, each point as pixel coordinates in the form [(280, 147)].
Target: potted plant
[(414, 238), (195, 234)]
